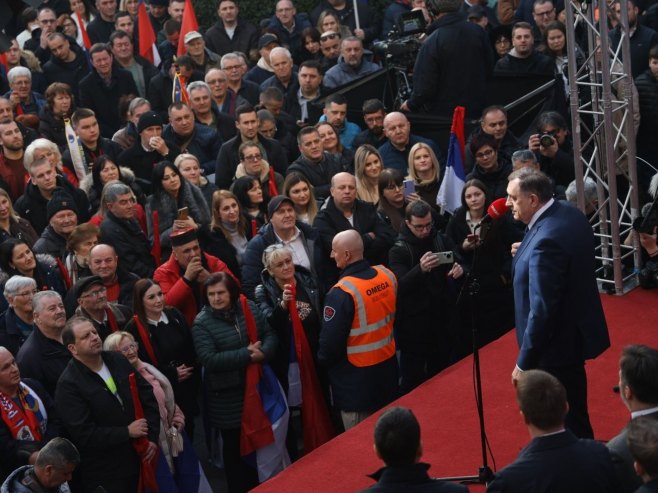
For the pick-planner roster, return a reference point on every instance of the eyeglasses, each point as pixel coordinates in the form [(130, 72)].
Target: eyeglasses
[(130, 347), (545, 14), (27, 293), (326, 36), (484, 154), (394, 187), (95, 294), (422, 227), (254, 158)]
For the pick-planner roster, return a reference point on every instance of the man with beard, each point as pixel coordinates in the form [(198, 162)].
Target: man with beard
[(12, 172), (43, 357), (523, 59), (373, 116), (351, 65)]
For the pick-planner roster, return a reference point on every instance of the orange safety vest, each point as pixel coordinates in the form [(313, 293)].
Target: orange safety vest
[(370, 340)]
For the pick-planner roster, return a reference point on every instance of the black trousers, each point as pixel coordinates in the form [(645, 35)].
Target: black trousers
[(574, 380), (240, 476)]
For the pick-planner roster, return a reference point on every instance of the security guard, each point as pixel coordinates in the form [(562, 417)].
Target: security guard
[(356, 340)]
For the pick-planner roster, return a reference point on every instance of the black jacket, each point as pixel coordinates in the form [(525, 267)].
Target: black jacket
[(104, 100), (214, 243), (43, 359), (97, 421), (204, 143), (99, 30), (71, 73), (245, 38), (496, 181), (369, 20), (51, 127), (50, 242), (11, 335), (319, 174), (159, 91), (32, 205), (647, 89), (142, 162), (414, 478), (228, 159), (104, 146), (535, 64), (130, 244)]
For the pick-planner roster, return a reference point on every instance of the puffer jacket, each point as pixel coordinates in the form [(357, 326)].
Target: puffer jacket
[(220, 341)]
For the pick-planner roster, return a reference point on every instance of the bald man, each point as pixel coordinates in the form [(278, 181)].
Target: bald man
[(356, 340)]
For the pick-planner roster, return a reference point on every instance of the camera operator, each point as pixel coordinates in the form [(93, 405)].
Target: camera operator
[(554, 149), (647, 226), (453, 65)]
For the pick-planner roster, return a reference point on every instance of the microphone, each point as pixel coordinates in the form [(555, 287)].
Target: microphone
[(497, 209)]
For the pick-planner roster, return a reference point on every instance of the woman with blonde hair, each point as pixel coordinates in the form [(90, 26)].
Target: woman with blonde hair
[(190, 168), (367, 168), (329, 22), (12, 225), (298, 189), (425, 171)]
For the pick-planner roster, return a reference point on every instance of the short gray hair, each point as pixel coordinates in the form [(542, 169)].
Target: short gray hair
[(524, 155), (196, 85), (229, 56), (281, 49), (58, 452), (36, 301), (590, 192), (16, 72), (137, 103), (113, 189), (16, 283)]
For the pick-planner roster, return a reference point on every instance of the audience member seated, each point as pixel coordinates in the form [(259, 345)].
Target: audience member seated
[(395, 151), (555, 454), (398, 445)]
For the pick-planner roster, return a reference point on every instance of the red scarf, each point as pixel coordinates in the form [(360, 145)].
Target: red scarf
[(256, 429), (147, 479), (146, 340), (272, 183), (316, 423), (254, 228), (112, 320), (64, 271), (17, 418)]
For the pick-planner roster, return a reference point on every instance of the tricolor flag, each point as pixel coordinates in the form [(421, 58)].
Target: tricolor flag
[(264, 414), (83, 31), (179, 90), (449, 196), (188, 24), (75, 148), (147, 41)]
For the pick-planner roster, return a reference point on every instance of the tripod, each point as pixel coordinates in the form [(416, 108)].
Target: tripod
[(471, 283)]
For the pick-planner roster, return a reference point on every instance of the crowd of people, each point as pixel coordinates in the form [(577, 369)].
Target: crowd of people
[(200, 244)]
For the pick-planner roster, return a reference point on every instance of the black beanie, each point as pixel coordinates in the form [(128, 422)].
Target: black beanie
[(61, 201)]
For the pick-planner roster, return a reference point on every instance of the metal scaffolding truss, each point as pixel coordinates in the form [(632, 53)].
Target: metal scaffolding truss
[(601, 102)]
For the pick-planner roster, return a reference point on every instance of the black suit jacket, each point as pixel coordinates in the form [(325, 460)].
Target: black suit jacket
[(559, 463)]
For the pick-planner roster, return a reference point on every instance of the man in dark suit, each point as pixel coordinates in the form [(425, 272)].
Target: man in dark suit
[(559, 317), (555, 461), (638, 387)]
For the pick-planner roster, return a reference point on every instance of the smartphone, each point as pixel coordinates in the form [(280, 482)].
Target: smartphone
[(409, 188), (444, 258), (183, 213)]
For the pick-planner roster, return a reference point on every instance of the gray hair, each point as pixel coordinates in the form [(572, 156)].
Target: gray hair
[(137, 103), (281, 49), (37, 145), (16, 283), (36, 301), (524, 155), (275, 252), (16, 72), (112, 341), (196, 85), (230, 56), (215, 70), (113, 189), (266, 116), (58, 452), (589, 185)]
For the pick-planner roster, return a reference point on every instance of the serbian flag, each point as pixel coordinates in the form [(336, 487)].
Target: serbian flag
[(264, 413), (449, 196), (188, 24), (147, 41), (83, 31), (179, 90)]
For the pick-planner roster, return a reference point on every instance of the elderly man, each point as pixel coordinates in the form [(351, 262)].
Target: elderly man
[(104, 263), (554, 454), (395, 151), (44, 180), (285, 76), (127, 135), (151, 148), (103, 88), (638, 388), (314, 163), (107, 318), (356, 340), (282, 228), (206, 110), (67, 63), (182, 276), (28, 414), (16, 323), (191, 137), (288, 26), (53, 467), (344, 211), (121, 230), (203, 58), (235, 67), (62, 215), (225, 101), (351, 64), (43, 357), (141, 70), (263, 70), (23, 99), (96, 391)]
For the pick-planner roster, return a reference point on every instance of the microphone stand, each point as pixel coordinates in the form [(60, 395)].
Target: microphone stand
[(471, 283)]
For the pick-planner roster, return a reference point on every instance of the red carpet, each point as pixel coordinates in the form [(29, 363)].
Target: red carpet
[(445, 407)]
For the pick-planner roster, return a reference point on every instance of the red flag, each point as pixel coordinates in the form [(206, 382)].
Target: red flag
[(83, 31), (271, 183), (147, 40), (3, 61), (146, 469), (188, 24)]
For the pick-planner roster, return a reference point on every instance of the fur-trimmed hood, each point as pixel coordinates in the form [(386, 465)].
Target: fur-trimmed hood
[(87, 182)]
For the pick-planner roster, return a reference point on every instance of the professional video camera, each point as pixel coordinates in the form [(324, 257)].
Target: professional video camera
[(402, 43)]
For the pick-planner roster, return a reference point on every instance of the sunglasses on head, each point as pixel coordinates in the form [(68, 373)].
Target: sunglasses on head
[(329, 36)]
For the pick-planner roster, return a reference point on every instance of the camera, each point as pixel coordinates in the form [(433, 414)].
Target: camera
[(648, 220), (402, 43), (546, 140)]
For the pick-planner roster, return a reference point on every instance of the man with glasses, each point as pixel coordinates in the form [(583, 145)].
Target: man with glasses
[(225, 100), (425, 306), (235, 67), (373, 116), (93, 305), (38, 43), (543, 13)]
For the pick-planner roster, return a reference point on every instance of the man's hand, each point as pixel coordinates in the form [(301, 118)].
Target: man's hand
[(404, 106), (158, 144), (456, 272), (360, 33), (428, 262), (194, 269), (150, 452), (516, 374), (138, 428), (515, 247)]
